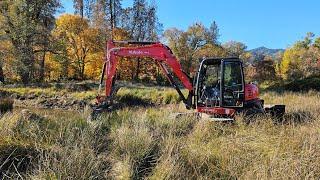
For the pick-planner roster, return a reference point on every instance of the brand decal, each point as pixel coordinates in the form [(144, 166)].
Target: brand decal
[(138, 52)]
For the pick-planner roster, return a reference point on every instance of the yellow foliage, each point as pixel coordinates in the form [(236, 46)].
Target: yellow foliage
[(81, 48), (120, 34), (211, 50), (68, 23), (8, 60), (93, 69), (83, 45), (290, 57)]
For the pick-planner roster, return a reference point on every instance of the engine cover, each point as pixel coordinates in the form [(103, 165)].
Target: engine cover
[(251, 92)]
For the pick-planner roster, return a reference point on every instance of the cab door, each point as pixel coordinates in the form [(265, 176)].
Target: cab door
[(232, 84)]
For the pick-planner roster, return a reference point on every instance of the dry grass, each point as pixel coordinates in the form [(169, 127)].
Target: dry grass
[(134, 143)]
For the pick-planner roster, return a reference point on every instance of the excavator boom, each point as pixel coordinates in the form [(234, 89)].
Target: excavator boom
[(156, 51)]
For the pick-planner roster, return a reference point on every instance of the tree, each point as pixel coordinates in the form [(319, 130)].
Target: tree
[(247, 57), (83, 7), (211, 51), (79, 40), (25, 23), (197, 42), (2, 55), (290, 63), (235, 48), (265, 69), (142, 24), (1, 67), (302, 59), (106, 15), (212, 34), (317, 43), (306, 42)]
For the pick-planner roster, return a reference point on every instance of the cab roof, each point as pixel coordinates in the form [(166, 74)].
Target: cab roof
[(211, 61)]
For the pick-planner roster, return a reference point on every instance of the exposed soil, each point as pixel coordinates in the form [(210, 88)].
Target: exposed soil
[(65, 102), (56, 102)]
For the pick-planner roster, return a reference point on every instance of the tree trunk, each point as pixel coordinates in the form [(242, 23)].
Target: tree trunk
[(136, 77), (111, 17), (1, 67), (42, 67), (65, 69), (26, 69), (79, 5), (1, 74)]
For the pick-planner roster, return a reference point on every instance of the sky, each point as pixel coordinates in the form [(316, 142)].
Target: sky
[(269, 23)]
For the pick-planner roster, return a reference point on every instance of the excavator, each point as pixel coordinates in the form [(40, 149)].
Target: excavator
[(217, 91)]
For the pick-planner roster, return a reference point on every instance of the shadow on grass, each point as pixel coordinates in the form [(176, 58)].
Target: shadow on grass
[(149, 161), (17, 159), (121, 102), (131, 101), (297, 117)]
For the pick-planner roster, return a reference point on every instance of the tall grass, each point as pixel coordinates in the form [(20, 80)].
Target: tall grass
[(145, 143), (130, 95)]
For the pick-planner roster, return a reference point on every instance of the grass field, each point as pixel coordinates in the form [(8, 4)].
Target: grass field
[(143, 142)]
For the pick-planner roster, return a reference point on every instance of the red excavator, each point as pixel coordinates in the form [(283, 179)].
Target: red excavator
[(218, 89)]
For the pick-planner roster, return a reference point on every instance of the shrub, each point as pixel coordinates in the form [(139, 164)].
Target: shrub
[(310, 83), (6, 104)]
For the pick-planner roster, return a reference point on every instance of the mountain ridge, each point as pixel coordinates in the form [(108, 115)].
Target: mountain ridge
[(264, 51)]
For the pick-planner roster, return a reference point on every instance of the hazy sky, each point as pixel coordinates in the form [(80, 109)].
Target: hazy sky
[(270, 23)]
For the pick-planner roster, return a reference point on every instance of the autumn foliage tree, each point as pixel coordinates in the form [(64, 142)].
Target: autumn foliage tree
[(302, 59), (197, 42), (80, 44)]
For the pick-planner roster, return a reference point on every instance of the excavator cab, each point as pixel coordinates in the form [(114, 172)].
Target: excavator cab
[(220, 83)]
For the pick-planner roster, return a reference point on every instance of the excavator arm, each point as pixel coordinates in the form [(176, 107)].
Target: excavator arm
[(158, 52)]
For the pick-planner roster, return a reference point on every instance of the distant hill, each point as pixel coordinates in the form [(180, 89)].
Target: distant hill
[(263, 51)]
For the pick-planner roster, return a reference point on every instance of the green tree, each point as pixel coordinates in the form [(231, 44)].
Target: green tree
[(27, 23), (317, 43), (197, 42), (142, 23), (306, 42), (265, 70), (234, 48), (83, 7)]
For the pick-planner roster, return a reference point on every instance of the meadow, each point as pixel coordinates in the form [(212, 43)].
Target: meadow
[(144, 142)]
